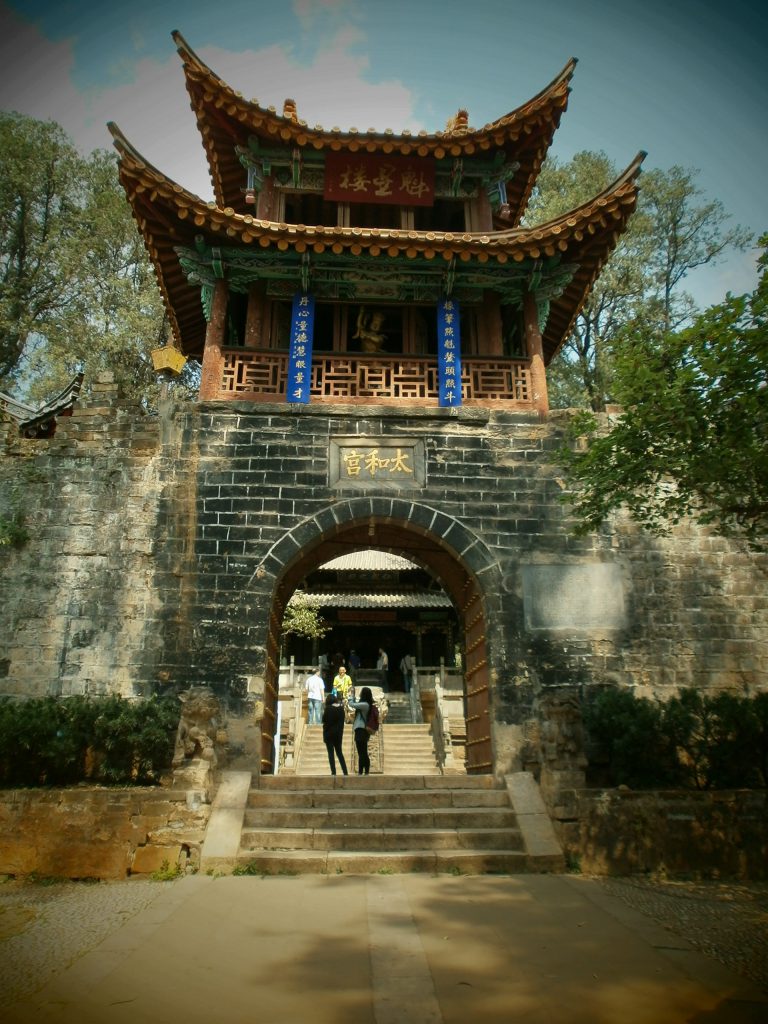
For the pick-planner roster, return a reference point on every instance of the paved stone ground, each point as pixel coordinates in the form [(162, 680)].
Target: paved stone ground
[(727, 921), (46, 927)]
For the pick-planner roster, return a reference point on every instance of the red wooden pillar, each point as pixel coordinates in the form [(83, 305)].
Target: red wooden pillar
[(493, 343), (213, 357), (255, 318), (535, 354), (267, 203)]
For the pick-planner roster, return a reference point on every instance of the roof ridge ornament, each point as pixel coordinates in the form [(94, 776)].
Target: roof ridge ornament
[(458, 124)]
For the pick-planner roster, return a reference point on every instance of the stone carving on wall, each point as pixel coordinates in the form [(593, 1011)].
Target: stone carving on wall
[(561, 741), (195, 754)]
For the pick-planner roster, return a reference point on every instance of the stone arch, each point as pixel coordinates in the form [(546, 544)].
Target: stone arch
[(439, 542)]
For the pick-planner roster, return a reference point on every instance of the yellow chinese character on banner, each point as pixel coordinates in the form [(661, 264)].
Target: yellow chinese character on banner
[(373, 463), (304, 301), (383, 180), (413, 184), (354, 179), (352, 460), (398, 464)]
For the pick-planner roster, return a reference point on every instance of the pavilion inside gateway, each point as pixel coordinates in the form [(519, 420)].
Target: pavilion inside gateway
[(373, 600)]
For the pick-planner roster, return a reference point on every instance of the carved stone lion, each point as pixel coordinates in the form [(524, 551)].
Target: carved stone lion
[(195, 739)]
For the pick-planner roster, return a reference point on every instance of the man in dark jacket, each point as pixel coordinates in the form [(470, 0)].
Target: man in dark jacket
[(333, 731)]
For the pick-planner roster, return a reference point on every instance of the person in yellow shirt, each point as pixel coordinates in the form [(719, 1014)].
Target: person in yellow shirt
[(342, 683)]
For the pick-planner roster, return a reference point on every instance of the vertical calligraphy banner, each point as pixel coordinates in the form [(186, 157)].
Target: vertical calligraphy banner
[(300, 351), (448, 353)]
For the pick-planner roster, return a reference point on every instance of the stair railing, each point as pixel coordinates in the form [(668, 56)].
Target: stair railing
[(417, 715)]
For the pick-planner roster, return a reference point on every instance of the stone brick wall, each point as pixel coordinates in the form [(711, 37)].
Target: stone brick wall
[(157, 544), (99, 833), (79, 606), (720, 834)]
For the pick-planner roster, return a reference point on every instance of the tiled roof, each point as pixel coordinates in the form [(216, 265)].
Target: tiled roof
[(169, 217), (377, 599), (368, 561), (37, 420), (225, 117)]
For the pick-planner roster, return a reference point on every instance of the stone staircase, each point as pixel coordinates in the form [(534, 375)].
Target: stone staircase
[(379, 824), (399, 749), (399, 709), (409, 750)]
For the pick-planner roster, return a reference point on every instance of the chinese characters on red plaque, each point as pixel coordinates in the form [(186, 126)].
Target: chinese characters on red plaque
[(378, 178)]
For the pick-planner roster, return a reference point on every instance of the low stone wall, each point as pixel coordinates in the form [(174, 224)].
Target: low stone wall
[(719, 834), (103, 833)]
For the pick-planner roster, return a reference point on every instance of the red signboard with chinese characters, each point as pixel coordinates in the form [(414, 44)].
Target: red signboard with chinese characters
[(378, 178)]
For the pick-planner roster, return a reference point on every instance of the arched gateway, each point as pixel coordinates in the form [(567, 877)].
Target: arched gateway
[(428, 537), (373, 325)]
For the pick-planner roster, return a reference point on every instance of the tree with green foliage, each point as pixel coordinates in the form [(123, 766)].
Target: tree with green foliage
[(693, 439), (41, 195), (77, 290), (303, 619), (671, 233)]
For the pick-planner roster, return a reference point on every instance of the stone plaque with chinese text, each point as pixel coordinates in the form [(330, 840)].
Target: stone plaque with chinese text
[(390, 463)]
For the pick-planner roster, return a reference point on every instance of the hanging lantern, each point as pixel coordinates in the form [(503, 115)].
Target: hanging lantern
[(168, 360)]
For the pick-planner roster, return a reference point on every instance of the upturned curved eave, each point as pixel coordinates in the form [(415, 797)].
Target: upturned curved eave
[(225, 119), (168, 216)]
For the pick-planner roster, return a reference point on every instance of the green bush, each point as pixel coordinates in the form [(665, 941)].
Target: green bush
[(627, 735), (692, 741), (61, 741)]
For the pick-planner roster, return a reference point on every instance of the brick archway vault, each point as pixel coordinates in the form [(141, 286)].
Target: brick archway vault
[(440, 543)]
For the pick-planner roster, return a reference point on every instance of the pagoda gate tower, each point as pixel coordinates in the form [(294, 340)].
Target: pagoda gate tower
[(374, 327)]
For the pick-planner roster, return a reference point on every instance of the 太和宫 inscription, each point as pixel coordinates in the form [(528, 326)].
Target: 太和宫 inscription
[(366, 462)]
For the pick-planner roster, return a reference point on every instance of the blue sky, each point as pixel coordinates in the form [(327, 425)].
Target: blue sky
[(687, 81)]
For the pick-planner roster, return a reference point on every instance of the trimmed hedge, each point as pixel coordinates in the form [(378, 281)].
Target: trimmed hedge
[(57, 741), (692, 741)]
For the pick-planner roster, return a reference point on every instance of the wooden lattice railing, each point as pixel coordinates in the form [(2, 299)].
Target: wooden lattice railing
[(260, 376)]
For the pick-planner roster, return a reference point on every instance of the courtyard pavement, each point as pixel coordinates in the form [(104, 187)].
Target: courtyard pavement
[(384, 949)]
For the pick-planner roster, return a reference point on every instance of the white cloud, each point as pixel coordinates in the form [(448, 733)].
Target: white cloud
[(331, 90), (36, 73), (153, 109)]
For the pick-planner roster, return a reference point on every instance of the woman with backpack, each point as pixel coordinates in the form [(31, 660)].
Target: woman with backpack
[(362, 708)]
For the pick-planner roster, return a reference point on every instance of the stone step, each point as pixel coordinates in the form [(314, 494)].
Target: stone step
[(310, 797), (380, 839), (379, 817), (330, 862), (270, 783), (363, 825)]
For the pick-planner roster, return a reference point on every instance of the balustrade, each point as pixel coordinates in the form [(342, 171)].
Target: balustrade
[(260, 376)]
